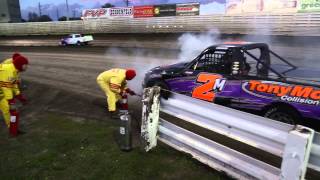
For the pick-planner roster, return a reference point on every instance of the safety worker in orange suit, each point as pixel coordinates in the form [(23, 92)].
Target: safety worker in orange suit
[(113, 82), (9, 86)]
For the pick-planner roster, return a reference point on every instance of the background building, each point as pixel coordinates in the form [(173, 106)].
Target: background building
[(10, 11)]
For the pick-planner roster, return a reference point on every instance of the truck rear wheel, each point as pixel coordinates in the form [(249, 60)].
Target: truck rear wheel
[(283, 114)]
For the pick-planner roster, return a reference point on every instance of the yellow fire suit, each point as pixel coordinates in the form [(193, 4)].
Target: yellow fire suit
[(7, 61), (9, 88), (112, 82)]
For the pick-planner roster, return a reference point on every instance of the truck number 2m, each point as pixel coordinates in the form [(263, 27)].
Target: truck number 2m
[(210, 84)]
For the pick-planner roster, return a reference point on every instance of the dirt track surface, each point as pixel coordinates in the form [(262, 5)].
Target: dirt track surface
[(75, 69), (163, 40)]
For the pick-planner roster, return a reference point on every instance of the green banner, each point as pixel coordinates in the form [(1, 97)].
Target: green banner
[(309, 6)]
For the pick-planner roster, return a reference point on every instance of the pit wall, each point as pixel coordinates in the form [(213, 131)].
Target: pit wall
[(294, 24)]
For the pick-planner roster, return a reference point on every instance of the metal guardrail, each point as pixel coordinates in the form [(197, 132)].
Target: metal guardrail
[(295, 24), (314, 162), (294, 144)]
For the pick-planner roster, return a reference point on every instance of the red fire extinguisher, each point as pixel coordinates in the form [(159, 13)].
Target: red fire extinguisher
[(124, 103), (14, 122), (124, 132)]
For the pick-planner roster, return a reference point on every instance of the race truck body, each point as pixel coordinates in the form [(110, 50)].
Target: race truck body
[(240, 75), (76, 39)]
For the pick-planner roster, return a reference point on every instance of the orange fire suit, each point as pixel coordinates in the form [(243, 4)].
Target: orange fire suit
[(112, 82), (9, 88)]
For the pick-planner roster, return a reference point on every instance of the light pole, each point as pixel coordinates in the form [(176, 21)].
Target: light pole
[(127, 2), (39, 6), (57, 14), (67, 10)]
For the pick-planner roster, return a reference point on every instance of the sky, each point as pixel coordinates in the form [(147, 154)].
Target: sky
[(57, 8)]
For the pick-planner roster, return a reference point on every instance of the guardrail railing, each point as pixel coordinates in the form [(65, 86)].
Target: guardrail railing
[(295, 24), (292, 144)]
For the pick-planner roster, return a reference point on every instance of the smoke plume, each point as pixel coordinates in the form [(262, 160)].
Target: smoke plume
[(193, 44)]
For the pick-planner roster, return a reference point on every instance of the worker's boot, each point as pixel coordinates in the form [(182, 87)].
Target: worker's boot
[(21, 132)]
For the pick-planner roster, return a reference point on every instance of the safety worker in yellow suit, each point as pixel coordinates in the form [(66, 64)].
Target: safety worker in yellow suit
[(9, 60), (113, 82), (9, 87)]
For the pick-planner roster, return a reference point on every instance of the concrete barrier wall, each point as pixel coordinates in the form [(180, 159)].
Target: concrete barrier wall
[(306, 24)]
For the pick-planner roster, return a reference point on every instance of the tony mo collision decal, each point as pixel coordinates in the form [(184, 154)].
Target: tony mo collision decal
[(285, 92), (210, 84)]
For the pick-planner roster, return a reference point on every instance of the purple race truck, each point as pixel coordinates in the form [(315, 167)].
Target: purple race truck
[(241, 75)]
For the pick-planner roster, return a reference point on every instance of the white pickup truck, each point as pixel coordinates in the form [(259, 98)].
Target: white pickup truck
[(76, 39)]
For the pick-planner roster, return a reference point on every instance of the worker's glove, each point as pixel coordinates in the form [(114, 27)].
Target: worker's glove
[(12, 104), (123, 92), (22, 99), (129, 91)]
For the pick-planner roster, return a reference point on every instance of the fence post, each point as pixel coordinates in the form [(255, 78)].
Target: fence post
[(150, 117), (296, 153)]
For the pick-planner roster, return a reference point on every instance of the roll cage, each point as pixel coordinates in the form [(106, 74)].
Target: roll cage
[(221, 57)]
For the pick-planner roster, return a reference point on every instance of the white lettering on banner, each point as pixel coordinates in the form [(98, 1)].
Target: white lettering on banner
[(120, 11)]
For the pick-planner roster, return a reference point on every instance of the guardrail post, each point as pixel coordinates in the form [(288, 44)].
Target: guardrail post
[(296, 153), (150, 117)]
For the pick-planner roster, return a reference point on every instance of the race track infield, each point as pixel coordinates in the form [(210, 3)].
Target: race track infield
[(69, 136)]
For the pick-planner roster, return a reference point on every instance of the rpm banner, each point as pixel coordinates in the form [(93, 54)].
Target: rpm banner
[(309, 6), (189, 9), (95, 13), (234, 7), (164, 10), (143, 11)]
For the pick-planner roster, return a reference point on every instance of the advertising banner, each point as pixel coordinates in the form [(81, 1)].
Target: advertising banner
[(95, 13), (252, 6), (283, 6), (190, 9), (143, 11), (261, 6), (164, 10), (234, 6), (309, 6), (121, 12)]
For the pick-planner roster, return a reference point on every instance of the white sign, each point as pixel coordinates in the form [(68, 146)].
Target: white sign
[(121, 12), (107, 12)]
